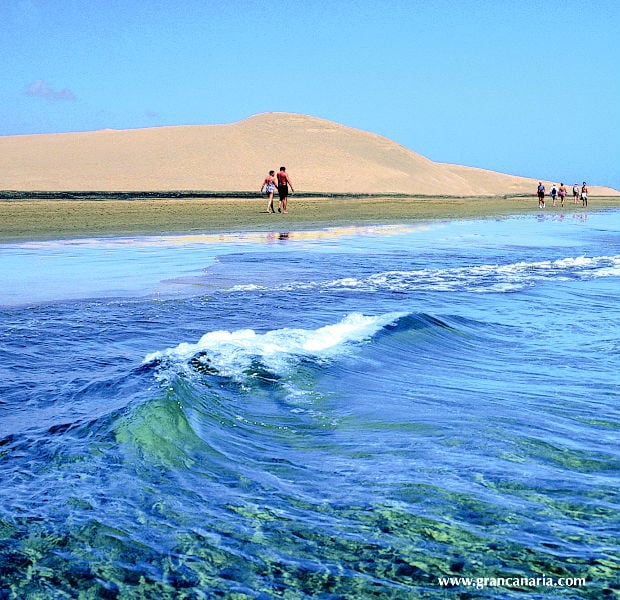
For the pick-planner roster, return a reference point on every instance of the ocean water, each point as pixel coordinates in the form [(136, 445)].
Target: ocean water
[(404, 411)]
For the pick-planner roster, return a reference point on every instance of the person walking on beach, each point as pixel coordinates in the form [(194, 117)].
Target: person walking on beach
[(575, 193), (269, 185), (554, 193), (284, 181), (541, 195), (562, 193), (584, 194)]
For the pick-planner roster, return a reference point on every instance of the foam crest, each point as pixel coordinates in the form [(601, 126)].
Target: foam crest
[(486, 278), (231, 353)]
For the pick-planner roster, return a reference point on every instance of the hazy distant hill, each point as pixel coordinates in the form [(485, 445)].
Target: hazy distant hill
[(319, 155)]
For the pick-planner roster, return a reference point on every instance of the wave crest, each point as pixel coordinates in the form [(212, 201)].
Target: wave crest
[(231, 353), (490, 278)]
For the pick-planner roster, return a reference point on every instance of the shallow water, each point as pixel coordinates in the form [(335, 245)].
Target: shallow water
[(344, 413)]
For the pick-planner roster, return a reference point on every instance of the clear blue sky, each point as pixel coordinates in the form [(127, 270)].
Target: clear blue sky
[(524, 87)]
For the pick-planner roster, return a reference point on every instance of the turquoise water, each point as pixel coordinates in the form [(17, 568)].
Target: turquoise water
[(346, 413)]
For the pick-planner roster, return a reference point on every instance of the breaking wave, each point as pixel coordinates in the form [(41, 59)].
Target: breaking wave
[(489, 278)]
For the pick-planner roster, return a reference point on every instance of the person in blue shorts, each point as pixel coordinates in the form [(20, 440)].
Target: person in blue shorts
[(554, 193), (269, 185)]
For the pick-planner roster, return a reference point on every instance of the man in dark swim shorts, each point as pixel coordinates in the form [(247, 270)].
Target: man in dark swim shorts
[(541, 195), (284, 181)]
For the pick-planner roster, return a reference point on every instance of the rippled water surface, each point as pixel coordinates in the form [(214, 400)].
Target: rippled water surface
[(345, 413)]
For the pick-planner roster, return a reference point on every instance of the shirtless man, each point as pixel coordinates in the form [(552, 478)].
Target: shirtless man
[(584, 194), (284, 181), (562, 193)]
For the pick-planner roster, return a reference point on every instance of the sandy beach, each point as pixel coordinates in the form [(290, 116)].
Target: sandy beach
[(320, 156), (206, 179), (62, 219)]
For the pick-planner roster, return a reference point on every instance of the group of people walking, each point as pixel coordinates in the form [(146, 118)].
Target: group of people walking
[(282, 182), (579, 193)]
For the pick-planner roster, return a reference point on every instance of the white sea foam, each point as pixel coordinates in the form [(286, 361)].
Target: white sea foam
[(490, 278), (232, 352)]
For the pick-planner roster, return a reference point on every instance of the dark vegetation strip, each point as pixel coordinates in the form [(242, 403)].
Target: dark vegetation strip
[(180, 194)]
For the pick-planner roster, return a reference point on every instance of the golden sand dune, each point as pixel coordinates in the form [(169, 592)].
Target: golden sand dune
[(320, 156)]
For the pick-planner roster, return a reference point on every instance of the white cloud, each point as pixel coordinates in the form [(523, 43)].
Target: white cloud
[(41, 89)]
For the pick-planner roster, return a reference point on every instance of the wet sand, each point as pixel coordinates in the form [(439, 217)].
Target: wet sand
[(32, 219)]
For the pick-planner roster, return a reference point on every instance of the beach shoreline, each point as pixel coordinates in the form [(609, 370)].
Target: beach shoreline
[(61, 216)]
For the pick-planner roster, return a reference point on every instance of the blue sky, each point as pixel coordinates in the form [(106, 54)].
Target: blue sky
[(524, 87)]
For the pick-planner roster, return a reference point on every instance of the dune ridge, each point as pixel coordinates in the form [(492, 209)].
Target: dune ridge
[(320, 156)]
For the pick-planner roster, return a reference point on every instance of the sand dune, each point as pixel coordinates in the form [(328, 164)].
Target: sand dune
[(320, 156)]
